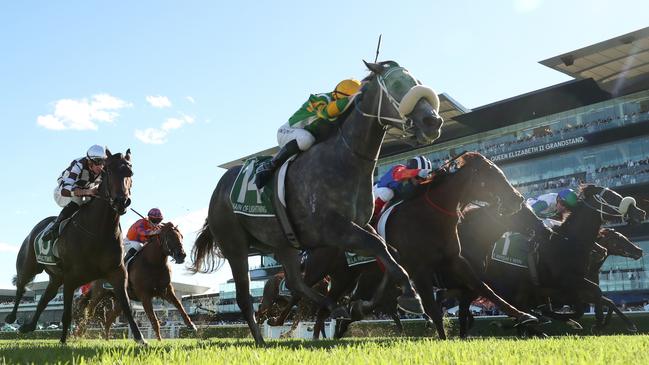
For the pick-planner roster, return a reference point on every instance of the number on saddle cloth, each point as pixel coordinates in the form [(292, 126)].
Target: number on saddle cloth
[(245, 197), (47, 253)]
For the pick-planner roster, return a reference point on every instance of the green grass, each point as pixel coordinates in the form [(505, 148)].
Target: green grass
[(558, 350)]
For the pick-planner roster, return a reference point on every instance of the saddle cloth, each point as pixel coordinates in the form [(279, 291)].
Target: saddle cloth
[(47, 253), (513, 249)]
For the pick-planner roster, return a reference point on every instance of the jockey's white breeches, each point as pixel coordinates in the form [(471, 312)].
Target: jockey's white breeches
[(304, 139), (383, 193), (62, 201), (128, 244)]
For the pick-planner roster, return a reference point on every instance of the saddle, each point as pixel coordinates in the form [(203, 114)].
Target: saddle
[(47, 253)]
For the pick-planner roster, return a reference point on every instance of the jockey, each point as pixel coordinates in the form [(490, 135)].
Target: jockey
[(301, 130), (140, 231), (554, 205), (397, 178), (81, 179)]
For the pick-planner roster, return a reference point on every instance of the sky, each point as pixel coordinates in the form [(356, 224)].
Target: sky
[(190, 85)]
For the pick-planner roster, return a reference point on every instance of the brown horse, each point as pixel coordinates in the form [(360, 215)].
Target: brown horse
[(89, 248), (276, 307), (148, 277)]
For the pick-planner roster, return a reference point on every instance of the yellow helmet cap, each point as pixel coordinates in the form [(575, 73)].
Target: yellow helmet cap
[(346, 88)]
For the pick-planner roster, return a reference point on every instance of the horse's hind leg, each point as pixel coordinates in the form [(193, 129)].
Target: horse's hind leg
[(239, 266), (26, 270), (366, 242), (171, 298), (49, 294)]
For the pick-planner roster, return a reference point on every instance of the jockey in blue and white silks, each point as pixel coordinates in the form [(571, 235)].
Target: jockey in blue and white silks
[(399, 176)]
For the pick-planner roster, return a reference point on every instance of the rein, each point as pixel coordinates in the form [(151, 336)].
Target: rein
[(430, 203), (599, 198)]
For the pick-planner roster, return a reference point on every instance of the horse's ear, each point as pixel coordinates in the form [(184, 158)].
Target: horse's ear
[(108, 154), (374, 67), (128, 155)]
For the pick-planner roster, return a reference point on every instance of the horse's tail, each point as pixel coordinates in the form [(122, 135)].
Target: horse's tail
[(206, 254), (14, 281)]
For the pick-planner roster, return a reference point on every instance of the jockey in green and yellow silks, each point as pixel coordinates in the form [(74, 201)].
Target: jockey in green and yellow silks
[(301, 130)]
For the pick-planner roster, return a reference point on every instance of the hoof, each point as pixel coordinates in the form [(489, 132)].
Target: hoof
[(526, 319), (10, 318), (410, 304), (142, 342), (632, 328), (26, 328), (193, 328)]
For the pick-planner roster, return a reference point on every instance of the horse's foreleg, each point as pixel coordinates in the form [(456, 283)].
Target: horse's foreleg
[(117, 279), (49, 294), (465, 312), (68, 293), (171, 298), (463, 270), (425, 288), (366, 242), (148, 309)]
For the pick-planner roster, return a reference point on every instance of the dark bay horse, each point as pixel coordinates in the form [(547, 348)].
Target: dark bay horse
[(328, 192), (563, 255), (423, 229), (90, 248), (149, 276)]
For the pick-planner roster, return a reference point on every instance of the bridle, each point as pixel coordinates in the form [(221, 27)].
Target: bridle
[(619, 211)]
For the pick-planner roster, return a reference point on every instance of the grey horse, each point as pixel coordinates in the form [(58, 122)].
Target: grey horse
[(328, 193)]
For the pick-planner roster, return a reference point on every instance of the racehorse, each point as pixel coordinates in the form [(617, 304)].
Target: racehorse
[(89, 248), (562, 255), (423, 229), (328, 192), (149, 276)]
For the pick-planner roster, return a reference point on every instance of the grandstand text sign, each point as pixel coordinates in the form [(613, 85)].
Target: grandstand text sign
[(540, 148)]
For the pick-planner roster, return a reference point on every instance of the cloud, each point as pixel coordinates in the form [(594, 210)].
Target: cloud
[(7, 247), (526, 6), (159, 135), (190, 99), (82, 114), (159, 101)]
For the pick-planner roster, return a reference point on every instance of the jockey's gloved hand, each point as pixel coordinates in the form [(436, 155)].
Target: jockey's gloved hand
[(424, 173)]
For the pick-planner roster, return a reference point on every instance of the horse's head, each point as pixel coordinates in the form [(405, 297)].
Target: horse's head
[(171, 241), (486, 183), (618, 244), (116, 180), (611, 205), (392, 95)]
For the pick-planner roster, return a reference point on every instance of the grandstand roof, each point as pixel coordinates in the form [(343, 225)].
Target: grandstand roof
[(616, 64), (536, 104)]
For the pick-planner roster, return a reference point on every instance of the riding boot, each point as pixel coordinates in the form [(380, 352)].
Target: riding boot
[(131, 252), (53, 233), (266, 169)]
